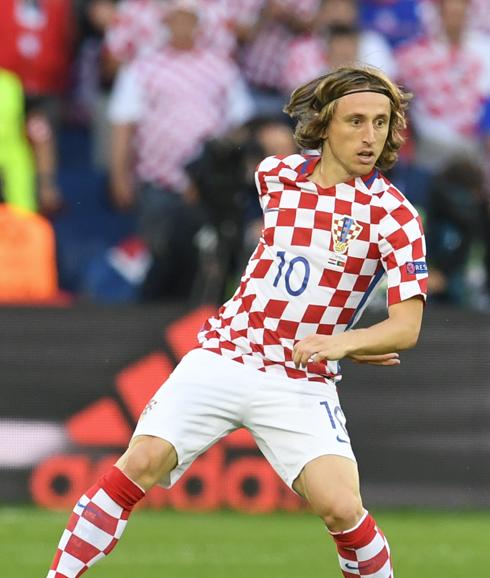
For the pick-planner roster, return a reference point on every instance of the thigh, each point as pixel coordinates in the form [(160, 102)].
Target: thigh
[(328, 479), (295, 421), (330, 484), (200, 403)]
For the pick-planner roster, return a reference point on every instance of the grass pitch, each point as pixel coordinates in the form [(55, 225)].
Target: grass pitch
[(231, 545)]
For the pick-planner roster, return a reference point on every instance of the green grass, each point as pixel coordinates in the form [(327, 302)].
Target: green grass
[(167, 544)]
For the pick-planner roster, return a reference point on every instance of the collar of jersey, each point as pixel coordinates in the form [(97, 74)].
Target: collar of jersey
[(307, 168)]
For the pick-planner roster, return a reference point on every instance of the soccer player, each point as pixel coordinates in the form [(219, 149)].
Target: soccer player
[(268, 360)]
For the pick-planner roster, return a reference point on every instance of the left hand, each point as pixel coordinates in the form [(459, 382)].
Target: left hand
[(317, 348)]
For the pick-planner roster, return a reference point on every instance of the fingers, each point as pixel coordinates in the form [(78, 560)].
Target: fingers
[(302, 357), (388, 363), (377, 358), (305, 351), (387, 359)]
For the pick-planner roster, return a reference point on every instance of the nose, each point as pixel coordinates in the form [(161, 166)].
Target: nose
[(368, 136)]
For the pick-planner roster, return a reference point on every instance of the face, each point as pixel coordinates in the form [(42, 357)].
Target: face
[(276, 139), (337, 12), (343, 49), (182, 26), (356, 135)]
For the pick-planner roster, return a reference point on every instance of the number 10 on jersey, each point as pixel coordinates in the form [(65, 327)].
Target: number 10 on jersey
[(295, 274)]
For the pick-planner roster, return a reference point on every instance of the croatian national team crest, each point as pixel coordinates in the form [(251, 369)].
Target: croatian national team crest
[(344, 230)]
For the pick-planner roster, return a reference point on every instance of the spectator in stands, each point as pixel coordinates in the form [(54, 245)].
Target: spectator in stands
[(36, 45), (165, 106), (449, 74), (336, 40), (135, 27), (266, 29)]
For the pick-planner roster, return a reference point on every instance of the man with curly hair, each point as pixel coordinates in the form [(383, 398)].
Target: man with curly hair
[(268, 360)]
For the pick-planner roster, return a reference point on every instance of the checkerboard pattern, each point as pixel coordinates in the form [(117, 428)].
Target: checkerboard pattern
[(263, 58), (298, 283), (450, 84), (164, 94), (364, 551), (95, 525)]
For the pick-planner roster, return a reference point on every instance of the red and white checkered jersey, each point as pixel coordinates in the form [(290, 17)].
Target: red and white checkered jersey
[(321, 254), (177, 99), (263, 57), (450, 84), (307, 58), (139, 28)]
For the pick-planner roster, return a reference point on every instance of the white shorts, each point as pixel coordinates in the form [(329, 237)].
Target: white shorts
[(208, 396)]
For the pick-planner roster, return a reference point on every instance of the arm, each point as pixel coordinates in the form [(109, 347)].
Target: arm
[(43, 144), (121, 164), (400, 331), (125, 109)]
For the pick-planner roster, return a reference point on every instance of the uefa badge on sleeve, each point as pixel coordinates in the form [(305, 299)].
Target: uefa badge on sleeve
[(416, 267)]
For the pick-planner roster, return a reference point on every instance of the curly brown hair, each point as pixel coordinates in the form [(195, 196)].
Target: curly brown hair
[(314, 104)]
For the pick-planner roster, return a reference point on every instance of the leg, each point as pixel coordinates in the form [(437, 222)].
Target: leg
[(100, 515), (192, 410), (147, 460), (331, 486)]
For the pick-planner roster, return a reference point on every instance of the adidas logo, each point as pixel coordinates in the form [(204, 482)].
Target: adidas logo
[(231, 474)]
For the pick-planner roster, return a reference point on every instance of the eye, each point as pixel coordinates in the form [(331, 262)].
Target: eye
[(356, 121), (380, 123)]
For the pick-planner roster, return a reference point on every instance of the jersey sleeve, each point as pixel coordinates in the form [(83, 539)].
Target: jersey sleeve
[(403, 253), (265, 169), (126, 101)]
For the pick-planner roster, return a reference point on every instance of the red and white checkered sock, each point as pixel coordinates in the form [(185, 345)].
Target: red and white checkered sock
[(96, 524), (364, 551)]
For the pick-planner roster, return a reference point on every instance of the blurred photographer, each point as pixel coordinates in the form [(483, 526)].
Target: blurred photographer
[(457, 218), (223, 177)]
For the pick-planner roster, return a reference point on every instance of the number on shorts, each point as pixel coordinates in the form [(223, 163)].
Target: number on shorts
[(301, 261), (337, 417)]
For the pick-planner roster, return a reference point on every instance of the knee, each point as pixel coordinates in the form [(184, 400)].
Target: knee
[(341, 512), (148, 460)]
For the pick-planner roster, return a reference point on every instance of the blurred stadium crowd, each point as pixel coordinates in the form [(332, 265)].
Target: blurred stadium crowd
[(130, 130)]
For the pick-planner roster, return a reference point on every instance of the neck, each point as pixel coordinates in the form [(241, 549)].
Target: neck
[(454, 37), (182, 45), (326, 175)]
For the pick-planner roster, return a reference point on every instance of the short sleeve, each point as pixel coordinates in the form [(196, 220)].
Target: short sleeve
[(264, 169), (403, 254), (125, 104)]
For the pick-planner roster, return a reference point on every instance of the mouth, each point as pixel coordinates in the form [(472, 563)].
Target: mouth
[(366, 157)]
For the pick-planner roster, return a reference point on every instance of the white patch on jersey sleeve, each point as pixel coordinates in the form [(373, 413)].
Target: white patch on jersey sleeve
[(268, 164)]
